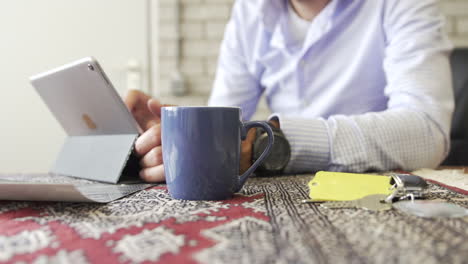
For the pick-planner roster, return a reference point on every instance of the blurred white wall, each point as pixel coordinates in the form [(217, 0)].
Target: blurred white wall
[(42, 34)]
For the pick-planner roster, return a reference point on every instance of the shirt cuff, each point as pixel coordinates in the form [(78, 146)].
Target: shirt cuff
[(310, 144)]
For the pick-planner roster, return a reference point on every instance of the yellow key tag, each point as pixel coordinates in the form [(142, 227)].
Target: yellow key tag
[(339, 186)]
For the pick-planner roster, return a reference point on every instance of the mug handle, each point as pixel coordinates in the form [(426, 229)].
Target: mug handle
[(244, 129)]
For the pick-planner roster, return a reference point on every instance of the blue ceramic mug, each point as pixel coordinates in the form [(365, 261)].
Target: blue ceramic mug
[(201, 151)]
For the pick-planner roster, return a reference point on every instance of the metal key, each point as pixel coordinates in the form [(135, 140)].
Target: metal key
[(375, 202)]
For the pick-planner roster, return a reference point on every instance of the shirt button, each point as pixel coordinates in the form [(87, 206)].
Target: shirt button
[(302, 63)]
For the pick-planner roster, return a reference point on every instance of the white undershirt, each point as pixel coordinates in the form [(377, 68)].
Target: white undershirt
[(298, 26)]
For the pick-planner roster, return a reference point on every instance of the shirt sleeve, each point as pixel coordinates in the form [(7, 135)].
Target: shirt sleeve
[(414, 130), (235, 84)]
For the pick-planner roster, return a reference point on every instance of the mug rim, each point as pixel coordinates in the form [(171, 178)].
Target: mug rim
[(200, 107)]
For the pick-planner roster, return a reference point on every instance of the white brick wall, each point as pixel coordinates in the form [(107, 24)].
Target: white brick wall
[(456, 12), (202, 26)]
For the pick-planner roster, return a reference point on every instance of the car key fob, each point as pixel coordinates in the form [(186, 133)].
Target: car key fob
[(407, 185)]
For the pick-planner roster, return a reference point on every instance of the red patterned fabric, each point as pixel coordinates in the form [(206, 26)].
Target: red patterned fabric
[(136, 232)]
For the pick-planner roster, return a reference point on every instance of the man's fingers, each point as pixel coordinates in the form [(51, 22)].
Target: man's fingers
[(130, 99), (152, 158), (246, 150), (151, 123), (134, 97), (155, 107), (136, 103), (148, 140), (153, 174), (251, 135), (247, 143)]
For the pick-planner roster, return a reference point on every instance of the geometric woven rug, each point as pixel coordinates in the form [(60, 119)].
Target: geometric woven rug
[(265, 223)]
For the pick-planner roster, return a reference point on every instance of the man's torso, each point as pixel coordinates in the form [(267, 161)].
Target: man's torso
[(337, 70)]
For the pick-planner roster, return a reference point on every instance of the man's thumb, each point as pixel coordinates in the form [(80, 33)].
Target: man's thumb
[(155, 107)]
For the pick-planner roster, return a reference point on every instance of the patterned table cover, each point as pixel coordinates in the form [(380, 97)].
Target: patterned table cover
[(265, 223)]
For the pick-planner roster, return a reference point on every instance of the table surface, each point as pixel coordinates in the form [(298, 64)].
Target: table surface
[(265, 223)]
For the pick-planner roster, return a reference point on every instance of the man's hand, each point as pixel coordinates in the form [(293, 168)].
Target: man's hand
[(246, 149), (147, 112), (138, 104)]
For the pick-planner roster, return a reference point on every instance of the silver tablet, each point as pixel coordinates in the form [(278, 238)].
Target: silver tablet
[(101, 135), (83, 100)]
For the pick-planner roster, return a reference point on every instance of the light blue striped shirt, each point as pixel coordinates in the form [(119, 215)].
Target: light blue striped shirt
[(369, 89)]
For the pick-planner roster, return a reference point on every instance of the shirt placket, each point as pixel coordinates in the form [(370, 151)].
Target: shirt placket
[(318, 29)]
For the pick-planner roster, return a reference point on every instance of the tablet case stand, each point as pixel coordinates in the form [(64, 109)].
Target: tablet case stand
[(105, 158)]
